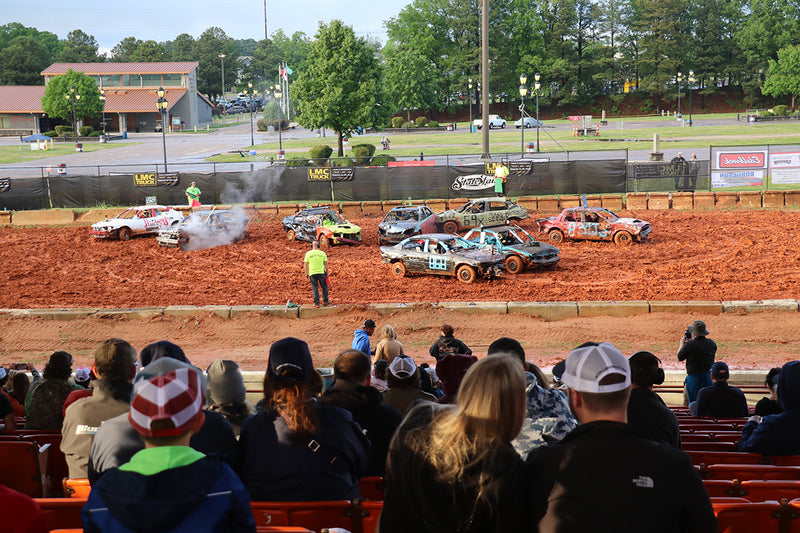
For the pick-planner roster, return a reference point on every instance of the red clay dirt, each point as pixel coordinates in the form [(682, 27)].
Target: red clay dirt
[(714, 255)]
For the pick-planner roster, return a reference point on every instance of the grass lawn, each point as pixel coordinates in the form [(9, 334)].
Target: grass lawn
[(22, 152)]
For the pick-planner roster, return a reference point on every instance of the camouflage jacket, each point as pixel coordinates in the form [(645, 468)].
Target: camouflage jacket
[(549, 418)]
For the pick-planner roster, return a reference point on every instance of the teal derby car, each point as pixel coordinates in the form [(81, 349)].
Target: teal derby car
[(481, 212), (519, 248), (442, 254)]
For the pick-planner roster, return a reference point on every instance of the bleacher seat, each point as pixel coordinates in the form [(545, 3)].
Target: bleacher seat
[(60, 513), (726, 458), (371, 513), (372, 487), (312, 515), (56, 462), (24, 465), (746, 472), (76, 488), (754, 490), (708, 446), (761, 517)]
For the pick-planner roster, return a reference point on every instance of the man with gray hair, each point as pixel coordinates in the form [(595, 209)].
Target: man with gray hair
[(604, 475)]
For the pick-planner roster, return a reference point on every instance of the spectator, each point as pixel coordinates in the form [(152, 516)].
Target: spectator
[(558, 371), (43, 406), (447, 344), (21, 513), (769, 405), (156, 350), (389, 347), (361, 336), (379, 371), (227, 394), (580, 483), (351, 390), (698, 352), (429, 381), (452, 468), (114, 364), (451, 370), (647, 412), (720, 400), (297, 449), (116, 441), (17, 386), (777, 434), (168, 486), (83, 376), (6, 408), (547, 417), (404, 385)]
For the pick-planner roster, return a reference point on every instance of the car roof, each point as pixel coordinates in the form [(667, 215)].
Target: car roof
[(406, 208), (316, 210), (139, 207), (504, 227)]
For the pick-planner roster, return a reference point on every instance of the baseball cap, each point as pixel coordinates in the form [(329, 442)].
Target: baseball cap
[(587, 366), (369, 323), (402, 367), (290, 361), (720, 370), (168, 405), (82, 375), (558, 371)]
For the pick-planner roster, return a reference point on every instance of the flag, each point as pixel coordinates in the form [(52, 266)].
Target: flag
[(288, 70), (283, 73)]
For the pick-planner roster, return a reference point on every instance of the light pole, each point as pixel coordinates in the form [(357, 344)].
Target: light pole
[(161, 105), (536, 89), (690, 79), (103, 101), (250, 108), (222, 62), (680, 79), (523, 90), (72, 96), (278, 94), (469, 92)]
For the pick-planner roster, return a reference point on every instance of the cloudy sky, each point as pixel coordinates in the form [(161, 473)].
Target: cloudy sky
[(111, 21)]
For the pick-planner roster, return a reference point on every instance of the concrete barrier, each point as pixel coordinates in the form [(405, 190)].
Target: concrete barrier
[(222, 311), (284, 210), (49, 217), (636, 200), (550, 311), (455, 203), (97, 215), (135, 313), (280, 311), (594, 200), (266, 210), (612, 202), (351, 209), (388, 205), (750, 199), (393, 308), (658, 200), (569, 201), (631, 308), (437, 206), (183, 310), (548, 204), (704, 200), (372, 208), (62, 314), (754, 306), (726, 199), (686, 307), (476, 307), (774, 199), (792, 198), (683, 200), (531, 203), (5, 217)]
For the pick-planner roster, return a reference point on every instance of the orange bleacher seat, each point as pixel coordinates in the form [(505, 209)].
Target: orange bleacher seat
[(76, 488), (56, 463), (716, 458), (62, 512), (372, 487), (24, 464), (370, 514), (311, 515), (762, 517), (754, 490), (708, 446), (744, 472)]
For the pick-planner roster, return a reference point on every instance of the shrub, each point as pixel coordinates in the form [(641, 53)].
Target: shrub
[(95, 134), (262, 124), (397, 122), (84, 131), (297, 162), (780, 110), (341, 162), (370, 148), (411, 124), (61, 129), (433, 124), (282, 124), (361, 154), (382, 160), (51, 133), (421, 121), (320, 153)]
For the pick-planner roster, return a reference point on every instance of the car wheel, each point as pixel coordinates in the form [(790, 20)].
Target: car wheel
[(503, 126), (556, 235), (529, 125), (514, 264), (518, 127), (125, 234), (465, 274), (623, 238), (324, 241), (399, 269), (491, 126), (291, 235), (451, 226)]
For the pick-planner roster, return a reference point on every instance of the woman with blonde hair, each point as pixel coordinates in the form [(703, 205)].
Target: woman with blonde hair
[(454, 464), (389, 347)]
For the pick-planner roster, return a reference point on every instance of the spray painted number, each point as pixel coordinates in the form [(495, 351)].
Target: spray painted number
[(437, 263), (587, 230)]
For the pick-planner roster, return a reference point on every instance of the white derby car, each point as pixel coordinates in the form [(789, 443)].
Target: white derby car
[(136, 221)]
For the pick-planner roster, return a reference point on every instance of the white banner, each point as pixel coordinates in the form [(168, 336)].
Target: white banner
[(736, 178), (785, 176), (784, 160)]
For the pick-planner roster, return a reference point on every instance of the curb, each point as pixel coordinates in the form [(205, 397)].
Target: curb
[(549, 311)]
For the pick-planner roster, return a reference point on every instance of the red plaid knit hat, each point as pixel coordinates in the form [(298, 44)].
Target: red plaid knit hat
[(167, 405)]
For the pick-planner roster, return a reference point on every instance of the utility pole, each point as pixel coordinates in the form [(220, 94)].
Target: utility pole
[(485, 78)]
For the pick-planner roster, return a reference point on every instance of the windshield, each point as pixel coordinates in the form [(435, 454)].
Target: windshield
[(401, 216), (458, 243), (128, 213), (608, 215)]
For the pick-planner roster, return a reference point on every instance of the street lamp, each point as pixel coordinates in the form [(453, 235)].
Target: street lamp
[(278, 94), (469, 93), (103, 101), (536, 88), (523, 90), (222, 62), (250, 108), (691, 82), (680, 79), (161, 105), (72, 97)]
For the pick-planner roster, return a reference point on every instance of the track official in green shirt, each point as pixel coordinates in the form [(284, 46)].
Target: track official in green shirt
[(500, 177), (316, 264), (193, 195)]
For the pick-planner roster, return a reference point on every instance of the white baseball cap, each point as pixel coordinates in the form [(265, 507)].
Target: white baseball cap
[(587, 366)]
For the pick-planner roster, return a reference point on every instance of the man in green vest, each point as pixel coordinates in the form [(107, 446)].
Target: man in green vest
[(316, 263), (500, 177), (193, 195)]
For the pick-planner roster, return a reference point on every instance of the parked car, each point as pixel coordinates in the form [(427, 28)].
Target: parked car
[(405, 221), (236, 108), (518, 247), (205, 229), (323, 224), (141, 220), (442, 254), (530, 122), (593, 223), (494, 122), (481, 212)]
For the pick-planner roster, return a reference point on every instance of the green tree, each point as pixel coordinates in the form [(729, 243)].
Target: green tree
[(410, 82), (149, 52), (207, 50), (123, 51), (182, 48), (246, 46), (49, 41), (22, 61), (341, 89), (79, 48), (55, 103), (783, 75)]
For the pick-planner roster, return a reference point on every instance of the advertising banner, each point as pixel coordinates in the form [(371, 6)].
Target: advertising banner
[(736, 178), (741, 159)]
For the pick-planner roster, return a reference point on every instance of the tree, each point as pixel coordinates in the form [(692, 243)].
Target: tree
[(149, 52), (410, 82), (50, 41), (341, 89), (182, 48), (207, 50), (79, 48), (783, 75), (55, 103), (22, 61), (124, 50)]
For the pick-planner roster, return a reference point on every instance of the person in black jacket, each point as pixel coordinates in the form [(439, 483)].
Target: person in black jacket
[(351, 391), (699, 353), (720, 400), (770, 405), (604, 475), (647, 412), (447, 344)]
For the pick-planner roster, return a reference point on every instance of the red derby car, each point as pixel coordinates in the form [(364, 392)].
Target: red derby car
[(595, 224)]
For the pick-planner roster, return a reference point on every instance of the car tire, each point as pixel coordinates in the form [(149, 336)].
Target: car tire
[(291, 235), (451, 227), (124, 234), (556, 236), (399, 269), (518, 127), (491, 126), (623, 238), (514, 264), (465, 274), (503, 126), (529, 125), (323, 241)]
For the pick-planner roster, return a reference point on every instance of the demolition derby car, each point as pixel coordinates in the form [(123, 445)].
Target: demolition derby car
[(205, 229), (481, 212), (404, 221), (443, 254), (520, 249), (135, 221), (322, 224), (593, 223)]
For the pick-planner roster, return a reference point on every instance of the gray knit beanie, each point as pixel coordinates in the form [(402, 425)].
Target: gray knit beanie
[(225, 382)]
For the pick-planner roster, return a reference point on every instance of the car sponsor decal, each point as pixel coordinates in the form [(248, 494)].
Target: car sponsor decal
[(162, 221), (741, 159), (437, 263), (587, 230)]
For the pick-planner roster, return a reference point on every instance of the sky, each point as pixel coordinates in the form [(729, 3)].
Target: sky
[(163, 20)]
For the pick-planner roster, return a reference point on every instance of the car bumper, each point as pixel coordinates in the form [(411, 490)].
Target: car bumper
[(102, 234), (168, 240)]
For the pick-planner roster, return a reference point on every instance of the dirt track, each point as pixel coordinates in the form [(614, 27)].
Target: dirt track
[(729, 255)]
